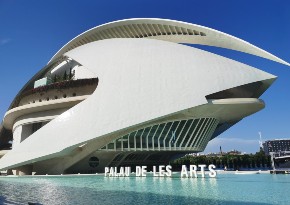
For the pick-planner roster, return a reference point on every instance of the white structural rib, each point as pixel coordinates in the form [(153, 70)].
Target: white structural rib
[(167, 30)]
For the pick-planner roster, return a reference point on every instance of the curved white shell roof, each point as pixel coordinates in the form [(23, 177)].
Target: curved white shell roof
[(167, 30)]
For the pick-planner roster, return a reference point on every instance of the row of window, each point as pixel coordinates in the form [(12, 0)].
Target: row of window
[(189, 134), (54, 98)]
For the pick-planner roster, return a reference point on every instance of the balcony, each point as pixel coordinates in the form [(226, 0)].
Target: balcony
[(60, 95), (57, 90)]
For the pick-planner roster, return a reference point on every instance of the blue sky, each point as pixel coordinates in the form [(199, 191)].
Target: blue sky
[(32, 31)]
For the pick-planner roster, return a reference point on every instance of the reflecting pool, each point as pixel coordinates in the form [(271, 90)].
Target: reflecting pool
[(97, 189)]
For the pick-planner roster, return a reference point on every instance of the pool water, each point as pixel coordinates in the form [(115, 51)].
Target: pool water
[(96, 189)]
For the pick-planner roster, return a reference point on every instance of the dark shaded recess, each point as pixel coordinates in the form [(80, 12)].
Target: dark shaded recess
[(5, 137), (251, 90), (282, 163)]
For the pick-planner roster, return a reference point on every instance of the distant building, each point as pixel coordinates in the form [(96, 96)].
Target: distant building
[(277, 145), (234, 152)]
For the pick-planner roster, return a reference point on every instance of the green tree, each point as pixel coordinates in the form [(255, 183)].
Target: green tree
[(64, 76)]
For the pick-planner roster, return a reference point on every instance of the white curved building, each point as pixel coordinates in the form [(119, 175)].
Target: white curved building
[(130, 93)]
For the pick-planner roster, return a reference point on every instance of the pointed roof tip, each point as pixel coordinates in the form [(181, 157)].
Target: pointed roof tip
[(272, 57), (286, 63), (279, 60)]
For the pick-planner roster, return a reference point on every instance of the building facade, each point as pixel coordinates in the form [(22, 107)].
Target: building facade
[(130, 93), (277, 145)]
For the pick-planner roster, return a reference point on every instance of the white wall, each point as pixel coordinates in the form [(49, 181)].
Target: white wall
[(82, 73)]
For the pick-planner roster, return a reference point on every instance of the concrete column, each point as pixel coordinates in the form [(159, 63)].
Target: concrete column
[(24, 170), (17, 136)]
